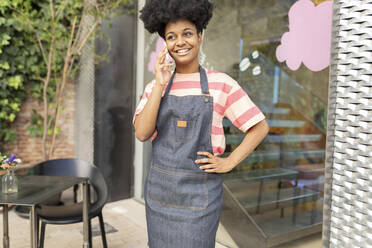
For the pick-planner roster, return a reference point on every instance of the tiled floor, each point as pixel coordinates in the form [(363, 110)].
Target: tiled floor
[(127, 217), (123, 215)]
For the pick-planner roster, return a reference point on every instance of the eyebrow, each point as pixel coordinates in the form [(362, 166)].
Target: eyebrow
[(171, 32)]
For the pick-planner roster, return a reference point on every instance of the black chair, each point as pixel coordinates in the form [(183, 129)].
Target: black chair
[(69, 214)]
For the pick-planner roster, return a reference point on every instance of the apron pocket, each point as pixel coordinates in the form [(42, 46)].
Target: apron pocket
[(184, 130), (177, 189)]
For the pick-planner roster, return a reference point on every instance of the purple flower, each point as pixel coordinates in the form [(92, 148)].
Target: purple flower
[(10, 160)]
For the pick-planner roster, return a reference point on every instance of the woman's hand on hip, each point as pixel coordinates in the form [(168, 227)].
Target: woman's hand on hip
[(214, 164), (162, 68)]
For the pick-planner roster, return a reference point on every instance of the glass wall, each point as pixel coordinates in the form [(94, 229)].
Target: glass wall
[(275, 195)]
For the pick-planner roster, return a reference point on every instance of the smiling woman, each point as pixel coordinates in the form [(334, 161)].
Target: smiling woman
[(182, 110), (183, 42)]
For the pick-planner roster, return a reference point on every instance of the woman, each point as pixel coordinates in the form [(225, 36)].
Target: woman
[(183, 112)]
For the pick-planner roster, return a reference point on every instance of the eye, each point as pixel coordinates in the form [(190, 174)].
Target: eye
[(188, 34), (170, 37)]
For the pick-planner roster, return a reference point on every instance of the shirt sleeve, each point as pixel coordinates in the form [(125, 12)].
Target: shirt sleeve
[(240, 109), (144, 99), (142, 103)]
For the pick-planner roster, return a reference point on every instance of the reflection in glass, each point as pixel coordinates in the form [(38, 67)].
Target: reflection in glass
[(276, 194)]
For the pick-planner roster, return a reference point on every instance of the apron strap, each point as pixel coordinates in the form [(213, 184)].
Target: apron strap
[(169, 84), (203, 82)]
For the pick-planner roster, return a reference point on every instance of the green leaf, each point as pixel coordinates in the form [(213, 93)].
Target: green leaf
[(4, 3), (2, 21), (9, 135), (4, 102), (12, 116), (14, 106), (4, 39), (34, 131), (3, 115), (5, 65), (15, 82)]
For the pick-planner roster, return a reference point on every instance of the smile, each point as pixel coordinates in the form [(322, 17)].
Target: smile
[(183, 51)]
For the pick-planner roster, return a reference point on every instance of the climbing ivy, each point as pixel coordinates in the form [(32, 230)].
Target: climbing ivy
[(31, 30), (17, 55), (21, 61)]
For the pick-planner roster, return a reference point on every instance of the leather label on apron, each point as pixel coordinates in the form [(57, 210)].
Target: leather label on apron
[(181, 123)]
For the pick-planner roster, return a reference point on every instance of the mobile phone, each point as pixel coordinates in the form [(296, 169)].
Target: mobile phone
[(169, 59)]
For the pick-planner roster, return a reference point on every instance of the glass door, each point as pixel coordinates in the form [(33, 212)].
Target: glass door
[(275, 195)]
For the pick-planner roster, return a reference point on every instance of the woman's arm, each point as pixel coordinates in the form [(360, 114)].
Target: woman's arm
[(251, 140), (145, 122)]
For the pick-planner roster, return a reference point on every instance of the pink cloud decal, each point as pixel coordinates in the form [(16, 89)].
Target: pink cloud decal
[(159, 45), (309, 38)]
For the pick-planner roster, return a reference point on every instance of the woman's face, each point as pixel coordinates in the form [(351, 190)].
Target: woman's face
[(183, 42)]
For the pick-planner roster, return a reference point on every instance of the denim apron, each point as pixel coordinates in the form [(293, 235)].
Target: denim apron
[(183, 203)]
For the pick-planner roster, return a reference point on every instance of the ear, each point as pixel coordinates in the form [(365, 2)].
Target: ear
[(200, 37)]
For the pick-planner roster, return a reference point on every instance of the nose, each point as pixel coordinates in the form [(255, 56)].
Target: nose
[(180, 41)]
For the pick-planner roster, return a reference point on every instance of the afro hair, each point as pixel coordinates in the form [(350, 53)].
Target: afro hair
[(156, 14)]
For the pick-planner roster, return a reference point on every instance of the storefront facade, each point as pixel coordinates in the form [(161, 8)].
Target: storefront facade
[(276, 194)]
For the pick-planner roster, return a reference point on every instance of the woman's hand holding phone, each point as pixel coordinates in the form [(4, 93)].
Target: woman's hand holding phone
[(146, 120), (163, 68)]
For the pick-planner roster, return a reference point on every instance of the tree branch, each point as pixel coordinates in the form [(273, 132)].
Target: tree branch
[(45, 98), (81, 45), (64, 79), (78, 33), (51, 10), (46, 85)]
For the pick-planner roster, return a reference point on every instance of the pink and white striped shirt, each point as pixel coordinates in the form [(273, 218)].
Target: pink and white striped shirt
[(229, 100)]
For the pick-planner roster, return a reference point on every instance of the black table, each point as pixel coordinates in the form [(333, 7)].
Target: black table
[(33, 190)]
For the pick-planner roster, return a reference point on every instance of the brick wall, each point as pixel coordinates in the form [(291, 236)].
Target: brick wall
[(30, 149)]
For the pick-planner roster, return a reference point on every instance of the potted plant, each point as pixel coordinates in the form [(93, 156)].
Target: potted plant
[(9, 181)]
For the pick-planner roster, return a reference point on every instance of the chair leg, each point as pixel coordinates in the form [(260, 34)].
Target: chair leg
[(90, 233), (102, 228), (37, 230), (76, 187), (42, 234)]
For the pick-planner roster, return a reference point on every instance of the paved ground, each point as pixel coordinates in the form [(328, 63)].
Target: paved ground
[(127, 221)]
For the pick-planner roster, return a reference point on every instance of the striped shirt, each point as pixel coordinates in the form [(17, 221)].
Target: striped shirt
[(229, 100)]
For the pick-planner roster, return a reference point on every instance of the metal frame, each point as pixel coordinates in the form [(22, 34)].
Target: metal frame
[(347, 220), (139, 148), (34, 219), (84, 99)]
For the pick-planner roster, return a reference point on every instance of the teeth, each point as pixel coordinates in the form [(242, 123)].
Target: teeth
[(183, 51)]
